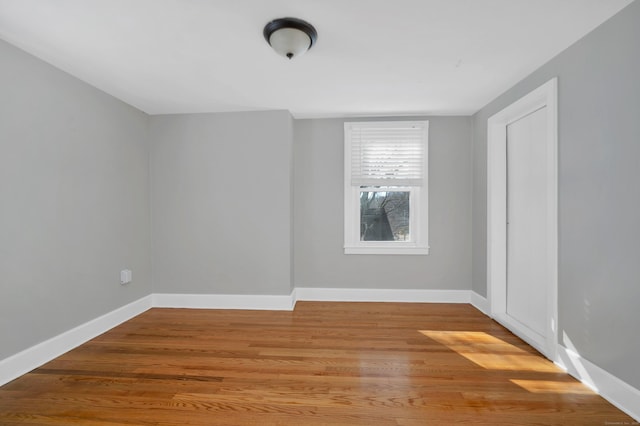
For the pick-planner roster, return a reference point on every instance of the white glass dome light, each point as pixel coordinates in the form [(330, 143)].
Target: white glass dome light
[(290, 37)]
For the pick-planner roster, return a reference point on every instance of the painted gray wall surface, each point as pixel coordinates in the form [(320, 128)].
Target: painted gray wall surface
[(599, 195), (319, 213), (74, 202), (221, 203)]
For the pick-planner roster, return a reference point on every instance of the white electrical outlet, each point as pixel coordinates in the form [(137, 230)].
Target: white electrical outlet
[(125, 276)]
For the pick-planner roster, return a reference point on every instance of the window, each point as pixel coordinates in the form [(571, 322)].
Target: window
[(385, 190)]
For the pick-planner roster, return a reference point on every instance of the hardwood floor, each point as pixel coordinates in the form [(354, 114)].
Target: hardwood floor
[(322, 364)]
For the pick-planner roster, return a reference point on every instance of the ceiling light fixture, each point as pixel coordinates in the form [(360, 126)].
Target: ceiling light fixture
[(290, 37)]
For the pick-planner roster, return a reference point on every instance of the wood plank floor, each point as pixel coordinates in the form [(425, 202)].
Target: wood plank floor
[(322, 364)]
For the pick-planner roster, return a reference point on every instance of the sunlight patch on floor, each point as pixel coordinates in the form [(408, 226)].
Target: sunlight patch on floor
[(549, 386), (489, 352)]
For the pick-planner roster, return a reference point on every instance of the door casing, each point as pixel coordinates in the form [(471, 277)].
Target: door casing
[(544, 96)]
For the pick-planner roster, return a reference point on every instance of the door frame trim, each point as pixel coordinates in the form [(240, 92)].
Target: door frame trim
[(544, 96)]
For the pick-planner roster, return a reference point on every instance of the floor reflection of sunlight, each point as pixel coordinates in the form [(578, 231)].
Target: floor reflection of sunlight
[(547, 386), (489, 352)]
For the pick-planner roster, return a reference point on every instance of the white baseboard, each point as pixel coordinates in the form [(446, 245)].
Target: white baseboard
[(225, 301), (619, 393), (480, 303), (35, 356), (382, 295), (287, 302)]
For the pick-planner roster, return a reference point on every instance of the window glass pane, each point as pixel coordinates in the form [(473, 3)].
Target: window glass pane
[(384, 216)]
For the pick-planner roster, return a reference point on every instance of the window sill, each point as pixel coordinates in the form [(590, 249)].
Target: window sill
[(387, 250)]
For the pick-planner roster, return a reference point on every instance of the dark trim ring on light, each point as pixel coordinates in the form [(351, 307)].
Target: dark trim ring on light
[(291, 24), (295, 23)]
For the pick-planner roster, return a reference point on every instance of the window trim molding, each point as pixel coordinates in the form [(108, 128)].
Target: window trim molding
[(419, 202)]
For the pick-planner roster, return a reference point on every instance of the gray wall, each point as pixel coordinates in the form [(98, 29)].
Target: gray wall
[(599, 196), (74, 192), (319, 257), (221, 203)]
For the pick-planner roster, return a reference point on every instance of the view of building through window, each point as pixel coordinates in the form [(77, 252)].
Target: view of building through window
[(384, 216)]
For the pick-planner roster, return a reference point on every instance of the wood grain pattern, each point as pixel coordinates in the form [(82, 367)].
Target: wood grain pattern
[(323, 364)]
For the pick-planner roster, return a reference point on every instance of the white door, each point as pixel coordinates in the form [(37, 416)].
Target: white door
[(522, 217), (527, 274)]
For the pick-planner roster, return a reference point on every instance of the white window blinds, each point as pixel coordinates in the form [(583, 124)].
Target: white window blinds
[(389, 153)]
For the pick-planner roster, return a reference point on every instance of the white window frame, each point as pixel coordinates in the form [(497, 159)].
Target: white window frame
[(418, 200)]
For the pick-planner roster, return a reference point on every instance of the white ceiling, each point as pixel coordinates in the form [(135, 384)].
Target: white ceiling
[(372, 57)]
